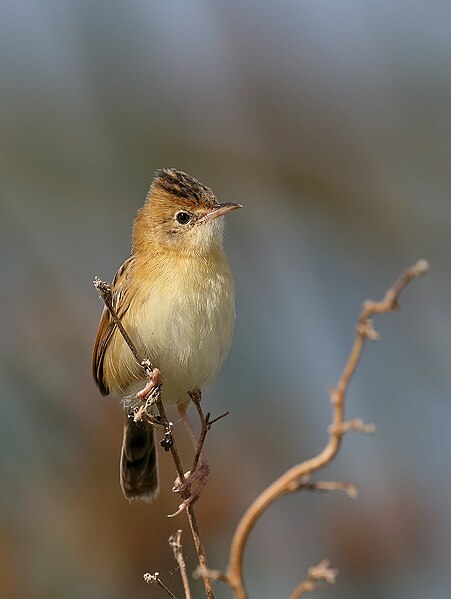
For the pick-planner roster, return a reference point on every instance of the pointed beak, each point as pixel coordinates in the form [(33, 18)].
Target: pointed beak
[(220, 210)]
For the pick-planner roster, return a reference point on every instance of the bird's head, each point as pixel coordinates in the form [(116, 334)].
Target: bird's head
[(180, 214)]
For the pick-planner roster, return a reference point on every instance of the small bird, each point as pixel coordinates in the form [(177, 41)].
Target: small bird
[(174, 296)]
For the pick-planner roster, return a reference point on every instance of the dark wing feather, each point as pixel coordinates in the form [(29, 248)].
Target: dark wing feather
[(107, 327)]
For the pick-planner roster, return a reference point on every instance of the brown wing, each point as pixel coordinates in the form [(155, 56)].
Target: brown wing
[(107, 327)]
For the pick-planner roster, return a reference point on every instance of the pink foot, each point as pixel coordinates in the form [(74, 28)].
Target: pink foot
[(152, 383), (200, 475)]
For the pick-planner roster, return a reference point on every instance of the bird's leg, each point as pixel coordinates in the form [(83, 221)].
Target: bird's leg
[(200, 474)]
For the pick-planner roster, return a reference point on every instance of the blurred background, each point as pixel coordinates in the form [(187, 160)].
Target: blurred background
[(331, 123)]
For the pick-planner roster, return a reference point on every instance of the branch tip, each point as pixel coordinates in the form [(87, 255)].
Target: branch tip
[(324, 572), (421, 268), (175, 543), (317, 576)]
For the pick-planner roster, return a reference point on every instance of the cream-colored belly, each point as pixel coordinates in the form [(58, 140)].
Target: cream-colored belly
[(185, 327)]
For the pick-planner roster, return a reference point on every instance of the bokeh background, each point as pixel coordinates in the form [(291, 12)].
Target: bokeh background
[(331, 123)]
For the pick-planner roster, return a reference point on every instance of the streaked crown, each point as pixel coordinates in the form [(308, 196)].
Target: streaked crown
[(183, 186)]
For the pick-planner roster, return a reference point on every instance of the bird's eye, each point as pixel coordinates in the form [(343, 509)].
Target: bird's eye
[(183, 217)]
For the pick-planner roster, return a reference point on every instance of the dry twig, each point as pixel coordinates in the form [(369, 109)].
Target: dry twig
[(175, 543), (292, 479), (206, 424), (350, 489), (104, 290), (106, 296)]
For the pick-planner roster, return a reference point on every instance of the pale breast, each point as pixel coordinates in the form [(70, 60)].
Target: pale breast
[(185, 325)]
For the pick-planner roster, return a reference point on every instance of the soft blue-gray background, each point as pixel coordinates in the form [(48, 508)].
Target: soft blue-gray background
[(331, 123)]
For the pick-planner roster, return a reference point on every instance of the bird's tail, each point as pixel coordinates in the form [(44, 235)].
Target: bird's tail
[(138, 467)]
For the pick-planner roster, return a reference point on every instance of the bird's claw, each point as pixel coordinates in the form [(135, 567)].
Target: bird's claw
[(200, 475), (150, 391)]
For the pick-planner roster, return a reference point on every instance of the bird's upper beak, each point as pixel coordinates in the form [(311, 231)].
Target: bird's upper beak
[(220, 210)]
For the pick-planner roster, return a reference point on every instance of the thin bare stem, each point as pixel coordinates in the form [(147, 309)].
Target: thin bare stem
[(205, 427), (105, 294), (205, 422), (284, 484), (191, 514), (220, 417), (175, 543), (155, 578), (104, 290), (195, 532), (350, 489), (172, 447)]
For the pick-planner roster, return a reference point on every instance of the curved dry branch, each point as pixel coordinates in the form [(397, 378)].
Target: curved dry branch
[(290, 480)]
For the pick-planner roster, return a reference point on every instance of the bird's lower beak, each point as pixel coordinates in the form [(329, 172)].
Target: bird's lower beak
[(220, 210)]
